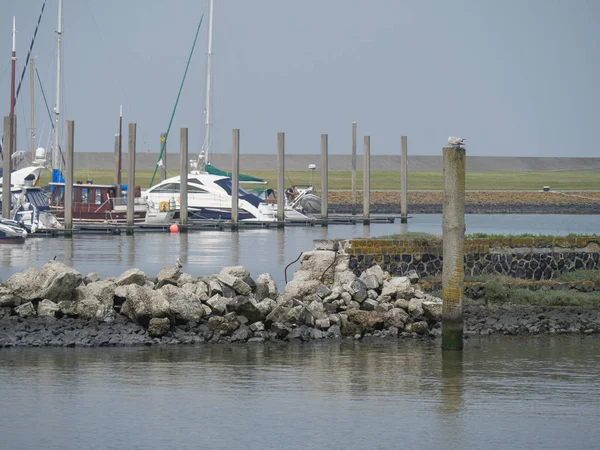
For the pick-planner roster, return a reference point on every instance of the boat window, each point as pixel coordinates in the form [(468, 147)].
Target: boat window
[(85, 197), (196, 190), (98, 197), (195, 181), (169, 187), (225, 183)]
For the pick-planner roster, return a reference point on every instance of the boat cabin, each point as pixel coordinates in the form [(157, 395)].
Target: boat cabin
[(95, 202)]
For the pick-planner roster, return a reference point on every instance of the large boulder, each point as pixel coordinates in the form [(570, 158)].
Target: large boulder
[(142, 304), (96, 300), (47, 308), (235, 283), (360, 322), (132, 276), (169, 275), (158, 327), (184, 307), (235, 271), (317, 265), (25, 310), (396, 317), (433, 309), (247, 307), (8, 298), (396, 287), (266, 282), (55, 281)]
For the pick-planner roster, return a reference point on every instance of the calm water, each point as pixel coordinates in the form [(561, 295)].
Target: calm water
[(502, 393), (259, 250)]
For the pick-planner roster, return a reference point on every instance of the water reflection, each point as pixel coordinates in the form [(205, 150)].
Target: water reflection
[(534, 393)]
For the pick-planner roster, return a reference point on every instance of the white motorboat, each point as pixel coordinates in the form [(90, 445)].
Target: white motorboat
[(209, 197)]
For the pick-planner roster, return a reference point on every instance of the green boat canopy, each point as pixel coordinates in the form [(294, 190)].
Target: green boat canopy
[(242, 177)]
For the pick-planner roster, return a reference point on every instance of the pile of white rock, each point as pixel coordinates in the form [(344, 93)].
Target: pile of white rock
[(325, 299)]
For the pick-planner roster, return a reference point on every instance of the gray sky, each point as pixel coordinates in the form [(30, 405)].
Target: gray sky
[(515, 77)]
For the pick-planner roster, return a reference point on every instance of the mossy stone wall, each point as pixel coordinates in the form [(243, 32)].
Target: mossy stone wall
[(528, 258)]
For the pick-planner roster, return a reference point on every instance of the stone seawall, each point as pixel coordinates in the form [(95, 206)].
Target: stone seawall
[(527, 258), (328, 297)]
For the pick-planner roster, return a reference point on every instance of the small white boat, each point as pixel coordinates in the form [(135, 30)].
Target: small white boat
[(11, 231)]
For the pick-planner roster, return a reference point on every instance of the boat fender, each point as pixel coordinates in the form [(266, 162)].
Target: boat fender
[(163, 206), (172, 204)]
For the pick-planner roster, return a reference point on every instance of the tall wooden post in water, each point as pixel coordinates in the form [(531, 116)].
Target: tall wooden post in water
[(131, 177), (69, 179), (280, 180), (367, 181), (163, 146), (235, 179), (183, 197), (353, 168), (324, 180), (7, 144), (403, 180), (453, 229), (119, 179)]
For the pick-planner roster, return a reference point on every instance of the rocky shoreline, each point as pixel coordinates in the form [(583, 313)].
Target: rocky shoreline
[(477, 202), (58, 306)]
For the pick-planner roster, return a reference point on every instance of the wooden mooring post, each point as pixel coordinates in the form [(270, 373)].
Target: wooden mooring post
[(131, 177), (367, 181), (118, 165), (453, 230), (403, 180), (183, 197), (324, 179), (280, 180), (353, 168), (7, 150), (235, 179), (69, 179)]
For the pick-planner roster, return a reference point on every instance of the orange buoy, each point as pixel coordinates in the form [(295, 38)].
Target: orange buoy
[(174, 228)]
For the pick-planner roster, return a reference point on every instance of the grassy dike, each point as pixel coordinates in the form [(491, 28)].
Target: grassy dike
[(557, 180)]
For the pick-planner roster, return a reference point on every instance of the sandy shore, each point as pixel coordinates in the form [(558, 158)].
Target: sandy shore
[(477, 202)]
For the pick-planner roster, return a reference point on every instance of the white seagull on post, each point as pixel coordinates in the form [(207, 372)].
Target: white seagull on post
[(456, 141)]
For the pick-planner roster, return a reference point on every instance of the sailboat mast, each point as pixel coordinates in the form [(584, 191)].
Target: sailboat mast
[(56, 160), (12, 83), (207, 110), (32, 99), (13, 62)]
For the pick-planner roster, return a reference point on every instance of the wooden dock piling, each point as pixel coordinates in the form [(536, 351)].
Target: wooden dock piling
[(183, 197), (353, 168), (70, 124), (403, 181), (235, 179), (367, 181), (131, 177), (324, 179), (453, 229), (280, 180), (7, 150)]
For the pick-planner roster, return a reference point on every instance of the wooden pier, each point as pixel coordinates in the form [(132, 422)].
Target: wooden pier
[(207, 224)]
